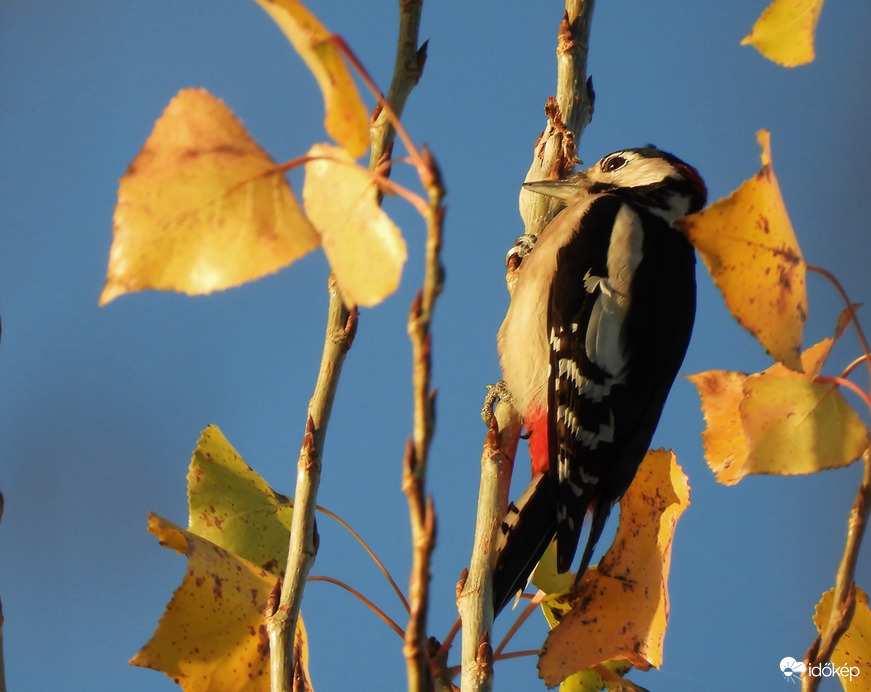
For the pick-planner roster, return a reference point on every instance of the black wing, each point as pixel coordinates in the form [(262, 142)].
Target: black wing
[(613, 359)]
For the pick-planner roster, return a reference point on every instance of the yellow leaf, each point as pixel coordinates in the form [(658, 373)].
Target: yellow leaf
[(202, 207), (233, 507), (747, 242), (784, 33), (365, 249), (794, 426), (620, 609), (212, 637), (347, 119), (852, 655), (777, 421)]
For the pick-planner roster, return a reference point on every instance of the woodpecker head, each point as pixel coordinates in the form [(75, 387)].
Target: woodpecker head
[(663, 183)]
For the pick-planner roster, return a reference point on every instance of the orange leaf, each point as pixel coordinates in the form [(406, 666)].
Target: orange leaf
[(212, 636), (726, 448), (747, 242), (347, 119), (620, 609), (365, 249), (852, 655), (784, 33), (202, 207)]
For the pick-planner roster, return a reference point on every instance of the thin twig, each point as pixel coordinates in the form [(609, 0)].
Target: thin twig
[(369, 604), (841, 612), (449, 638), (851, 308), (528, 610), (568, 113), (420, 507), (370, 552)]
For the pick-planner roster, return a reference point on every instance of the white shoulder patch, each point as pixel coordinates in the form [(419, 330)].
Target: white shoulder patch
[(609, 312)]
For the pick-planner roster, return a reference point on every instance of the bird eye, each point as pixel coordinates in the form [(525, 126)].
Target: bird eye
[(612, 164)]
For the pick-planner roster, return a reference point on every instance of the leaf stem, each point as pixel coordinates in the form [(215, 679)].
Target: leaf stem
[(843, 382), (385, 183), (418, 158)]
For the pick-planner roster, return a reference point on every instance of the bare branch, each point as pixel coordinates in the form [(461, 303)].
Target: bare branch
[(420, 508), (341, 326), (568, 113), (841, 612)]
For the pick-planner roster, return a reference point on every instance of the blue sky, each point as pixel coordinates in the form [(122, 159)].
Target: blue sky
[(101, 407)]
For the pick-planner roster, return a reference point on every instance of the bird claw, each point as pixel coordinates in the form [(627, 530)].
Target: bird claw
[(495, 392), (521, 249)]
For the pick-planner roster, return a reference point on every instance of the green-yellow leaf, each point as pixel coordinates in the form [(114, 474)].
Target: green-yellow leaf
[(620, 610), (233, 507), (365, 249), (212, 637), (592, 681), (852, 655), (347, 119), (202, 207), (546, 577), (747, 242), (784, 33)]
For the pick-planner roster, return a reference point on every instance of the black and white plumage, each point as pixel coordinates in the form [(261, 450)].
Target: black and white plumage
[(597, 328)]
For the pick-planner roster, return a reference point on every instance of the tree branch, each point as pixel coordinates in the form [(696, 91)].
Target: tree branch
[(569, 112), (420, 508), (281, 624), (841, 612), (341, 326)]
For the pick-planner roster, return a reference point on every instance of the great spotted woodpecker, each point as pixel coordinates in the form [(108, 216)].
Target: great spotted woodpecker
[(597, 328)]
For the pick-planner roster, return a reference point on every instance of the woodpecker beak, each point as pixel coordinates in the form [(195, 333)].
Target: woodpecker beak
[(561, 189)]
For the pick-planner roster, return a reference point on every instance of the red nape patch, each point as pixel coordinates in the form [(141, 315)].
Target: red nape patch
[(536, 426)]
